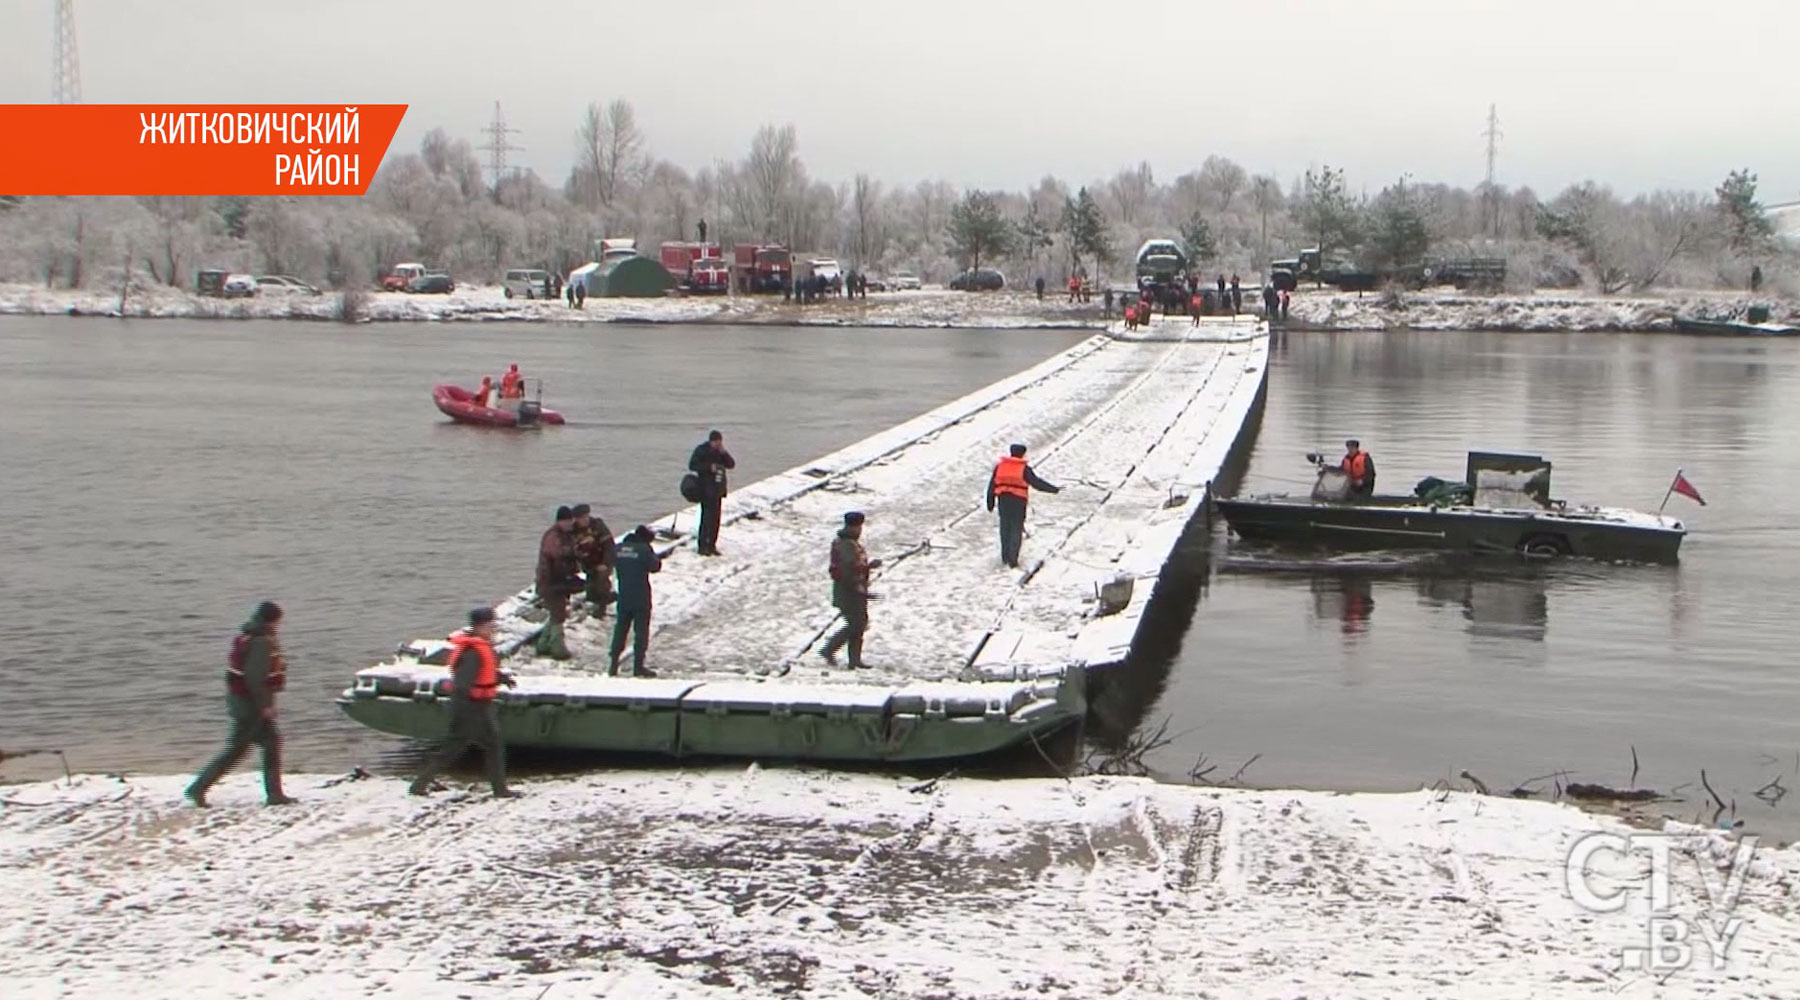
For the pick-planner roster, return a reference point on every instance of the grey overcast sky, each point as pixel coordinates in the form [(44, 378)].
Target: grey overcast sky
[(997, 93)]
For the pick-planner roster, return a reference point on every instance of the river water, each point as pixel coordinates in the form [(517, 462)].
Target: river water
[(163, 476), (1388, 677)]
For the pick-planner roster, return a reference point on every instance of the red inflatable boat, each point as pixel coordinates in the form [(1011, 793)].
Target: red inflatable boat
[(458, 404)]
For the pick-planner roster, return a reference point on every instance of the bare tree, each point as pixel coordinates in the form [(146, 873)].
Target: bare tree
[(1224, 178), (1131, 192), (1265, 194), (775, 181), (865, 211), (609, 152)]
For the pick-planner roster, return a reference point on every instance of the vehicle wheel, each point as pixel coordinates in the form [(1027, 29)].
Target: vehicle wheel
[(1544, 546), (509, 293)]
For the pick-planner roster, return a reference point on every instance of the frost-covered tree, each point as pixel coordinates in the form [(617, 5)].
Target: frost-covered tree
[(1748, 230), (1084, 229), (1586, 218), (1197, 240), (1326, 211), (978, 230), (1132, 191), (868, 236), (1035, 238), (1398, 233)]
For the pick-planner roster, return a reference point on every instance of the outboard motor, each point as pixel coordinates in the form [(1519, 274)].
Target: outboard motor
[(529, 411)]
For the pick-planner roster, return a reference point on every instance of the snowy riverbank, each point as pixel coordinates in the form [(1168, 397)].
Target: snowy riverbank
[(1545, 312), (925, 308), (1311, 309), (759, 882)]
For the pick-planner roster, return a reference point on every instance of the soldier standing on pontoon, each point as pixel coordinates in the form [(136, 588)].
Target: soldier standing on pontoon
[(1009, 487)]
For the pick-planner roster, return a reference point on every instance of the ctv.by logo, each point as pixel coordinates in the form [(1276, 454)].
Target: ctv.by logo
[(1666, 948)]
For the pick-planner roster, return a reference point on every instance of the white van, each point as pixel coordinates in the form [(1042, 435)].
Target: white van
[(529, 282)]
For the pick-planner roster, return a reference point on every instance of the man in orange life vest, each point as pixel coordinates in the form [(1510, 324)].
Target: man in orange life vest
[(1008, 488), (512, 387), (476, 678), (253, 675), (486, 392), (1359, 467)]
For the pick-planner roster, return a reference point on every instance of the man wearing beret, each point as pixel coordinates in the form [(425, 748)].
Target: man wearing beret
[(557, 561), (850, 566)]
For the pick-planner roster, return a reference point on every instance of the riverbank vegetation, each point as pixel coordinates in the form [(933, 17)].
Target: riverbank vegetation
[(436, 205)]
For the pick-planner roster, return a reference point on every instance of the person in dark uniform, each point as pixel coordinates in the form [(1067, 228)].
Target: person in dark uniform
[(709, 462), (594, 549), (850, 566), (1359, 468), (475, 678), (1008, 488), (634, 563), (255, 672), (556, 581)]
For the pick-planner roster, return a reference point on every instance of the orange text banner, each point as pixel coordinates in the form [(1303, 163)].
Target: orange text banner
[(199, 149)]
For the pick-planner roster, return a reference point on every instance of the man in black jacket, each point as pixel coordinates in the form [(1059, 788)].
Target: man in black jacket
[(709, 462)]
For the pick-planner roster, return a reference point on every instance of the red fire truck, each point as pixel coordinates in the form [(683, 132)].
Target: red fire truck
[(761, 268)]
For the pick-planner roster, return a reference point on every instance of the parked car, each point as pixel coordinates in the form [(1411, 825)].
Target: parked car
[(875, 284), (431, 282), (985, 280), (401, 276), (529, 282), (283, 284), (903, 281), (239, 286)]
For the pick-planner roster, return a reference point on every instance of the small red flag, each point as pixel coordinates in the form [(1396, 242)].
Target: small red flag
[(1686, 489)]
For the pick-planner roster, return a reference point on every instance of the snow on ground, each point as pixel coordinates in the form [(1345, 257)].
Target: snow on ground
[(1545, 312), (772, 882), (923, 308), (1119, 423), (1312, 309)]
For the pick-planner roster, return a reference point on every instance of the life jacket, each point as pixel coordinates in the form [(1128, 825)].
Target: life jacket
[(1009, 478), (512, 384), (1356, 466), (487, 678), (234, 667), (481, 397)]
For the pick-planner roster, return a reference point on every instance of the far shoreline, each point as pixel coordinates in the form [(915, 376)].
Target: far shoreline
[(1311, 310)]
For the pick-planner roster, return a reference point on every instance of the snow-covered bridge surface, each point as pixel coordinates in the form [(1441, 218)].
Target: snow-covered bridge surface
[(762, 882), (1131, 429)]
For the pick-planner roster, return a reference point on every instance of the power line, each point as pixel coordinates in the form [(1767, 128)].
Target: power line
[(497, 146), (65, 87), (1490, 193)]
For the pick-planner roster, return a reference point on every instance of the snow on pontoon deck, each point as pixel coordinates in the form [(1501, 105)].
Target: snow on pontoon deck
[(1131, 426), (756, 882)]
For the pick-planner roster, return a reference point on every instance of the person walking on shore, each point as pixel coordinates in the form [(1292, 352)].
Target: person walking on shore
[(1009, 487), (709, 462), (634, 563), (475, 678), (255, 672), (850, 566)]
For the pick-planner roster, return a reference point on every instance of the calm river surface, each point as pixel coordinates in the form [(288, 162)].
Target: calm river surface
[(162, 476)]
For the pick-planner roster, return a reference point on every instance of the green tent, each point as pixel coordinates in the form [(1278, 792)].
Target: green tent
[(630, 277)]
